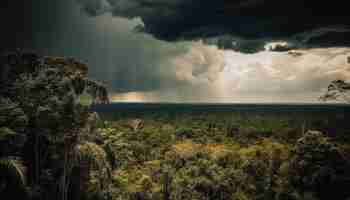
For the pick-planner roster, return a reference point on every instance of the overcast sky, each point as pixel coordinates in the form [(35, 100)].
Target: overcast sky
[(169, 63)]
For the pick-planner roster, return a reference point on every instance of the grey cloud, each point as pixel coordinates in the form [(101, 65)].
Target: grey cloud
[(95, 7), (124, 60), (200, 65), (140, 64), (253, 21)]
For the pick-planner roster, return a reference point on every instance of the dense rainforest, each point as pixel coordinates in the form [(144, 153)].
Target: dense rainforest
[(53, 146)]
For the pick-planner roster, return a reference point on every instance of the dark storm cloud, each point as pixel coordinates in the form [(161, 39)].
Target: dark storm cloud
[(254, 21), (95, 7), (125, 61), (138, 66)]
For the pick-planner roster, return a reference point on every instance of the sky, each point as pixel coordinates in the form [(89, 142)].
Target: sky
[(244, 51)]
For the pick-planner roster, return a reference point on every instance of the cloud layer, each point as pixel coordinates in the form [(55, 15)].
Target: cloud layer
[(140, 67), (248, 22), (200, 65), (214, 75), (273, 73)]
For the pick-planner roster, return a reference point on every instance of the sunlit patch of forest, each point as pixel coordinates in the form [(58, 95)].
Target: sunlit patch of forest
[(227, 155)]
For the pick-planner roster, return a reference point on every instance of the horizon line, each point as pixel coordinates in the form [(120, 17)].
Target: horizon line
[(231, 103)]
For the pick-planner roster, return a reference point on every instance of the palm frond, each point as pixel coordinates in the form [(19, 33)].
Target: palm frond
[(12, 174)]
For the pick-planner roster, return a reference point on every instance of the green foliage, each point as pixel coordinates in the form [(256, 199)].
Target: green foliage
[(203, 158), (11, 142), (39, 106), (92, 154), (6, 133), (11, 115)]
